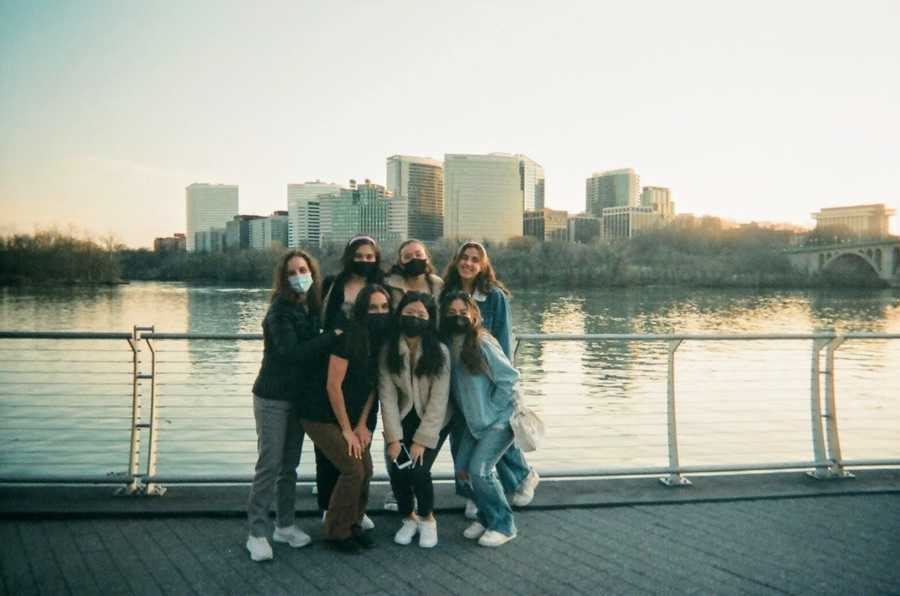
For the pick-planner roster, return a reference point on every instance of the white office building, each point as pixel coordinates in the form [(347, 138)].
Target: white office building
[(303, 211), (483, 197), (531, 175), (208, 206)]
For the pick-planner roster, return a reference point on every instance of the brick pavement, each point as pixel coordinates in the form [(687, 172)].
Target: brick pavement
[(847, 544)]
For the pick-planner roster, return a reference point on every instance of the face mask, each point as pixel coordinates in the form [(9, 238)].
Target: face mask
[(300, 283), (456, 324), (413, 326), (414, 267), (377, 324), (363, 268)]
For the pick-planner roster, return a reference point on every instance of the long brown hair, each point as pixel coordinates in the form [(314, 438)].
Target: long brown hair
[(486, 279), (280, 287), (471, 355)]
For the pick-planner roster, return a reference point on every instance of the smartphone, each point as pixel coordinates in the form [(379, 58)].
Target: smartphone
[(403, 460)]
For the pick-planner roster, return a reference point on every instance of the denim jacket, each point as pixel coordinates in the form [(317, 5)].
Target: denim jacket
[(495, 317), (485, 400)]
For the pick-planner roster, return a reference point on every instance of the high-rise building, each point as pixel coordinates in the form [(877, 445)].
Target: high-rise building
[(545, 224), (483, 197), (615, 188), (269, 232), (366, 208), (619, 223), (531, 180), (237, 232), (660, 199), (862, 221), (584, 228), (303, 211), (419, 180), (209, 206), (211, 240)]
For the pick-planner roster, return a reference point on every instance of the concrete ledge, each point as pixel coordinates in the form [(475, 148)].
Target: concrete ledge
[(53, 501)]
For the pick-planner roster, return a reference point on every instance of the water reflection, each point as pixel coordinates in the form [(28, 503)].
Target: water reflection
[(604, 402)]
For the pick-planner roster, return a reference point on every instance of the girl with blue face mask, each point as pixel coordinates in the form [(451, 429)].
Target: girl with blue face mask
[(293, 370)]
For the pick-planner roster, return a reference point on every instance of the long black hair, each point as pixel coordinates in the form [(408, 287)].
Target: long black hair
[(350, 253), (471, 355), (358, 341), (432, 358), (333, 286)]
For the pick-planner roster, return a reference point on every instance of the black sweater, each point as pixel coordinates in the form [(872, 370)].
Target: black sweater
[(295, 354)]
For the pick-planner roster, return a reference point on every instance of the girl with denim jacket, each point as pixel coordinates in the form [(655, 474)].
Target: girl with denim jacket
[(471, 271), (482, 384)]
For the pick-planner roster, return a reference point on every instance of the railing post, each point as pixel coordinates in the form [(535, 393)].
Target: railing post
[(836, 469), (815, 412), (134, 453), (150, 488), (674, 478)]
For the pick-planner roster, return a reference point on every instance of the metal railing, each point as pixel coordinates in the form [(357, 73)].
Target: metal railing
[(209, 433)]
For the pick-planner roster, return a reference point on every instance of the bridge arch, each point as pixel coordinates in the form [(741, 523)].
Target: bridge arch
[(849, 259)]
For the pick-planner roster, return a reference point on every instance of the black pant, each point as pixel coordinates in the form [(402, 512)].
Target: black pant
[(416, 479)]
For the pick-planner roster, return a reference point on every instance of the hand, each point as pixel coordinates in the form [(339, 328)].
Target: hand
[(362, 433), (417, 454), (393, 450), (354, 449)]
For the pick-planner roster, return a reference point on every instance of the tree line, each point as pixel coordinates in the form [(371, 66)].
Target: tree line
[(690, 251)]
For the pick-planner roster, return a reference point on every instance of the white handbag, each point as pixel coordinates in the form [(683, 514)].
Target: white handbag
[(528, 428)]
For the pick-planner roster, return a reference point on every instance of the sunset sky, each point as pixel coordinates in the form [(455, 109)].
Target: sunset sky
[(749, 111)]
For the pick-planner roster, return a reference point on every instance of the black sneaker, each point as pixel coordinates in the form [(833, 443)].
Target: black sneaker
[(348, 546), (364, 539)]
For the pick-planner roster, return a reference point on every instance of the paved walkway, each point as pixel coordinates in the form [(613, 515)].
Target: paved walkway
[(811, 545)]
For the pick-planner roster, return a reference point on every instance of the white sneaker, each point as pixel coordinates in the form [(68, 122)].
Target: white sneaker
[(366, 523), (291, 535), (407, 530), (475, 530), (471, 510), (492, 538), (525, 495), (390, 502), (259, 548), (427, 534)]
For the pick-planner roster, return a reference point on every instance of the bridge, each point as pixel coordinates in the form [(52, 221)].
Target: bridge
[(881, 256)]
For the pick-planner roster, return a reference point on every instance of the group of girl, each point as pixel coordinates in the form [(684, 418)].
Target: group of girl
[(433, 355)]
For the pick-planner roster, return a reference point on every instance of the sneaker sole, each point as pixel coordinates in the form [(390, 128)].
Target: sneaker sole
[(508, 539), (260, 559), (291, 544)]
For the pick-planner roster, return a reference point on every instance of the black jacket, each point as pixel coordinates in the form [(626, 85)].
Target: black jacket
[(295, 354)]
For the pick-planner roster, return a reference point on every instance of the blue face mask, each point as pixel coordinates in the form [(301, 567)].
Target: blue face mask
[(300, 283)]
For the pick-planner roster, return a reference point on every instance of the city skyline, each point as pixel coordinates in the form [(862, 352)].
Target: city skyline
[(766, 112)]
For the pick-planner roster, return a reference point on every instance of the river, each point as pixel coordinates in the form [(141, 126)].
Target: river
[(66, 405)]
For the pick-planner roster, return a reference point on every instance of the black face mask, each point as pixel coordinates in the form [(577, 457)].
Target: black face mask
[(456, 324), (377, 325), (414, 267), (363, 268), (413, 326)]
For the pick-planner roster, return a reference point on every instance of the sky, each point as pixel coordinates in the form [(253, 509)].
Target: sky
[(764, 111)]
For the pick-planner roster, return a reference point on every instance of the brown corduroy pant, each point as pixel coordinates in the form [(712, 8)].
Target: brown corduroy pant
[(351, 493)]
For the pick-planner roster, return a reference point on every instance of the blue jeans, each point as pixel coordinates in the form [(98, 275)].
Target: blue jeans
[(477, 458), (512, 469)]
